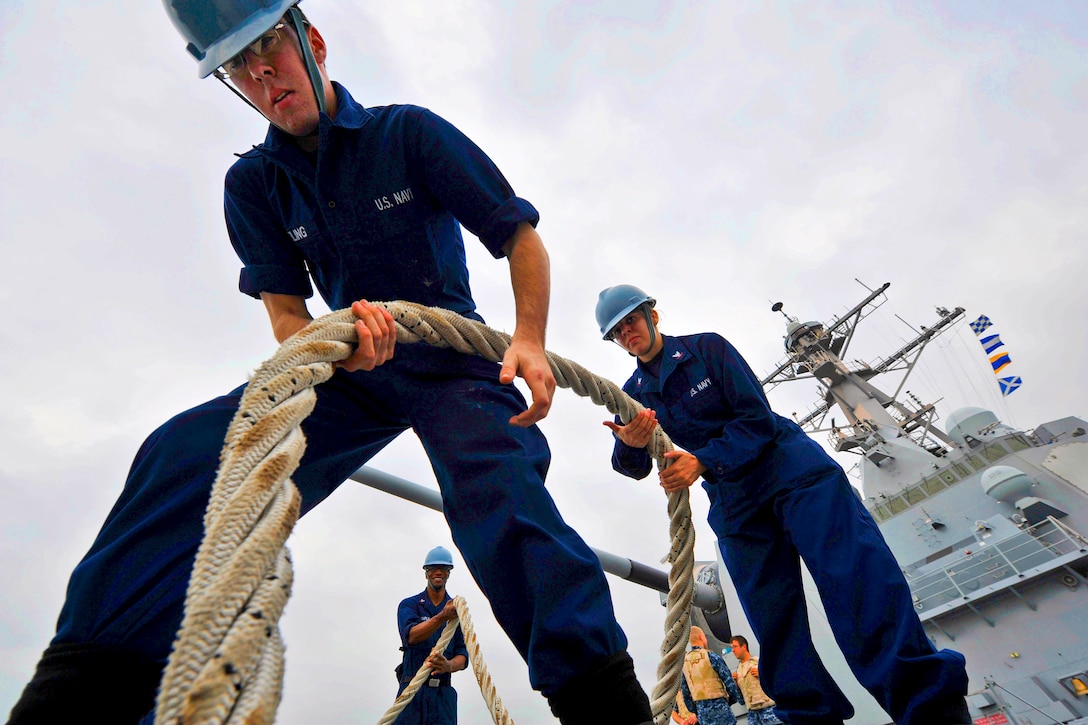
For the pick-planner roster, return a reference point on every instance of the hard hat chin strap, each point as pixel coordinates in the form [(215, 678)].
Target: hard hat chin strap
[(308, 57), (241, 95), (647, 310)]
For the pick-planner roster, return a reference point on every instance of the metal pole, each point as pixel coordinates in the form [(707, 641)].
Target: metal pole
[(706, 597)]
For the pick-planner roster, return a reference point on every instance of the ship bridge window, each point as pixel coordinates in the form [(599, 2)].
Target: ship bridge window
[(937, 483), (994, 452), (977, 463), (1018, 443), (914, 495), (962, 470), (897, 505), (880, 513)]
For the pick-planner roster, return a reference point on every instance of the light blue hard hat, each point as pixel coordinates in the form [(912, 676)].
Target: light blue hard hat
[(218, 30), (438, 556), (617, 302)]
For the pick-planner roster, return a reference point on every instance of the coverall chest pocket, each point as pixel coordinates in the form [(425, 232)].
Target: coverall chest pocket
[(702, 399), (396, 259)]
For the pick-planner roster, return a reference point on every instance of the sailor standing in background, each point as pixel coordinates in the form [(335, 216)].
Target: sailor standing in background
[(760, 706), (707, 685), (420, 621)]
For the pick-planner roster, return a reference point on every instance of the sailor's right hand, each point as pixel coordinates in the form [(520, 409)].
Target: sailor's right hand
[(638, 431), (377, 337)]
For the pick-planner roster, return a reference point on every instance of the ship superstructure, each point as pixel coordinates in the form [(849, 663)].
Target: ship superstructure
[(987, 522)]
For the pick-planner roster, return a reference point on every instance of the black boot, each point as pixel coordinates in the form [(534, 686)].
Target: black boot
[(946, 711), (960, 715), (607, 692), (85, 682)]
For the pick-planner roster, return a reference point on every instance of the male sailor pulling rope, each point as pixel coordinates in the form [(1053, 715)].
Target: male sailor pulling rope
[(367, 203)]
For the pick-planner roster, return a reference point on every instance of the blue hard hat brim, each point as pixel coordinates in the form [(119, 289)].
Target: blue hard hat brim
[(233, 43), (626, 311)]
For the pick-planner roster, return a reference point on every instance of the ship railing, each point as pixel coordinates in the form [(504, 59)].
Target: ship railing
[(846, 437), (992, 567)]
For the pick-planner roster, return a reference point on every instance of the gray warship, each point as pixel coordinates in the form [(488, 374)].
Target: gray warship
[(987, 522)]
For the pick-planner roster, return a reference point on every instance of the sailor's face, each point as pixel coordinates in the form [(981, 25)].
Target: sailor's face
[(279, 86), (437, 576), (633, 333)]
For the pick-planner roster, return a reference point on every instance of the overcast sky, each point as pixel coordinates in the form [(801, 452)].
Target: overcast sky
[(721, 155)]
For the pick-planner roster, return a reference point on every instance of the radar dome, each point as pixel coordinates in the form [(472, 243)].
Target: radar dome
[(1005, 483), (969, 422)]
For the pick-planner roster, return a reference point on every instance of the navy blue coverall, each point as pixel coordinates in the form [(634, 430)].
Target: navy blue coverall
[(431, 705), (373, 215), (776, 498)]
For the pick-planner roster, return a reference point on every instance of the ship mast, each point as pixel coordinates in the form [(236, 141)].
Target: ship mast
[(897, 440)]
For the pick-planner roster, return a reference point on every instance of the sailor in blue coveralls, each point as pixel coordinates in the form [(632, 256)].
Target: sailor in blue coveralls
[(420, 621), (367, 203), (775, 498)]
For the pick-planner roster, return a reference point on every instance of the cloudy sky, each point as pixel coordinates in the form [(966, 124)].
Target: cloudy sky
[(721, 155)]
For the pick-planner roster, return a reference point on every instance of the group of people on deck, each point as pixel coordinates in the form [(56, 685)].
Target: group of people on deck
[(367, 203), (708, 690)]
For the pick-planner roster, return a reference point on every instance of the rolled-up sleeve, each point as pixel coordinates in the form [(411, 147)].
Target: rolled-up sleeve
[(632, 462), (270, 262), (469, 184), (408, 616)]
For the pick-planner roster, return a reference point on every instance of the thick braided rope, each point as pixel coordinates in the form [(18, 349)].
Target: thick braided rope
[(227, 662), (499, 715), (226, 665)]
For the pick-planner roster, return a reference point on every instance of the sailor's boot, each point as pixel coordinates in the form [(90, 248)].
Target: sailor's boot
[(85, 682), (607, 693)]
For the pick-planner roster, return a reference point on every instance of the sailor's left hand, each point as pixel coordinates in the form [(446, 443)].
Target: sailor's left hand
[(527, 360), (377, 335), (439, 664), (683, 471)]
